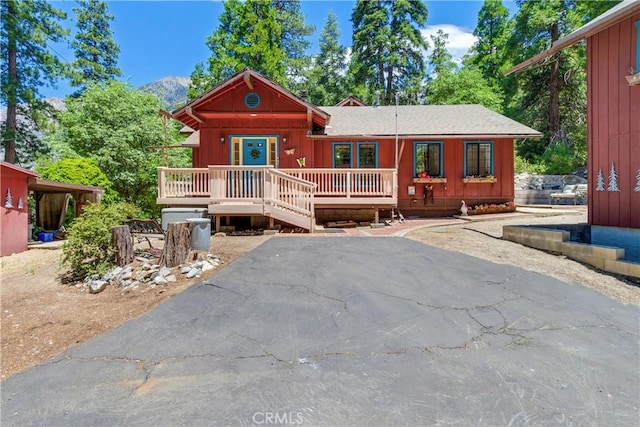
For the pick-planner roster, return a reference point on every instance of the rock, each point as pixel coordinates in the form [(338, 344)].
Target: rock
[(213, 256), (97, 286), (207, 266), (197, 264), (160, 280), (171, 278), (142, 259), (125, 283), (126, 275), (194, 272), (185, 270), (220, 234), (164, 271)]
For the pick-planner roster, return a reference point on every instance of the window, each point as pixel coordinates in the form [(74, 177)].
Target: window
[(367, 155), (478, 158), (341, 155), (428, 158)]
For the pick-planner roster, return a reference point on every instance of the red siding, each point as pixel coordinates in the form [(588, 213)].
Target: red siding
[(13, 232), (613, 125), (318, 152)]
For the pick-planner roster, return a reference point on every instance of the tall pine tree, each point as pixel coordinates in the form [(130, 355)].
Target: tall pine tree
[(326, 80), (95, 51), (388, 48), (28, 64), (249, 35)]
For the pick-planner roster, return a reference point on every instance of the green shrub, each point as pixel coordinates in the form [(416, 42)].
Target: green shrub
[(88, 249), (522, 165), (562, 159)]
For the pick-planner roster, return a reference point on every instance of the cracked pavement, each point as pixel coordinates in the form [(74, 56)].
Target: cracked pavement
[(358, 331)]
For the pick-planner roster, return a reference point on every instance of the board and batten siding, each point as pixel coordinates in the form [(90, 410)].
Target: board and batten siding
[(614, 125)]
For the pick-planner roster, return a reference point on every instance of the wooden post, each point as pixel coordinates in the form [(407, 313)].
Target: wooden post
[(177, 244), (123, 242)]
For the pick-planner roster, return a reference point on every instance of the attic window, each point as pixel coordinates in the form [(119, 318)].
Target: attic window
[(252, 100)]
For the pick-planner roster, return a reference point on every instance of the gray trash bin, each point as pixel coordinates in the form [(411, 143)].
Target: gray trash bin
[(200, 234)]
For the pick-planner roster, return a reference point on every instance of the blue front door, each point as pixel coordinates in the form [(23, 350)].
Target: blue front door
[(254, 152)]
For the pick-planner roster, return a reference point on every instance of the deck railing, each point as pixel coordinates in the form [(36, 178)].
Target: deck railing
[(350, 182)]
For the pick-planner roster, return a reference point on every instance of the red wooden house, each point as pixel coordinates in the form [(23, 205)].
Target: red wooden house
[(613, 114), (261, 151)]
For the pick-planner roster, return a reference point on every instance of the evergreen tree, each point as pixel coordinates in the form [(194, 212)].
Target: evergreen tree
[(326, 81), (492, 32), (464, 86), (600, 181), (440, 60), (293, 39), (388, 48), (613, 179), (637, 188), (249, 35), (28, 64), (96, 53)]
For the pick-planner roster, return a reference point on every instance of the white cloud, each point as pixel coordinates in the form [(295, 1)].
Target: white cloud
[(459, 42)]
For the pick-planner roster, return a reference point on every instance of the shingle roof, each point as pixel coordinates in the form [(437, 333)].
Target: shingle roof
[(427, 120)]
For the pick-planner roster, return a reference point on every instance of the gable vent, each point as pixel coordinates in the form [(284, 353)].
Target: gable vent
[(252, 100)]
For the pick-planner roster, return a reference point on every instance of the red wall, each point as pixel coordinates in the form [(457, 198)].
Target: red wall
[(13, 234), (613, 125), (318, 152)]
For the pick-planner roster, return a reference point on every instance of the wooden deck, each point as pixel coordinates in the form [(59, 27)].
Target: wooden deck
[(289, 195)]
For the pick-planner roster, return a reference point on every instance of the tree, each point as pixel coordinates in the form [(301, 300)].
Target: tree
[(492, 32), (465, 86), (28, 64), (293, 39), (388, 48), (440, 60), (95, 51), (326, 79), (249, 35), (82, 171), (115, 125)]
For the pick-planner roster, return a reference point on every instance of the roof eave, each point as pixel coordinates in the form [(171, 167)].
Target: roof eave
[(611, 17), (435, 136)]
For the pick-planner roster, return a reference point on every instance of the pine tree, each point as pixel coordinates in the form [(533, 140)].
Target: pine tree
[(293, 39), (388, 48), (96, 53), (249, 35), (613, 179), (637, 189), (600, 181), (440, 60), (326, 81), (28, 64), (492, 32)]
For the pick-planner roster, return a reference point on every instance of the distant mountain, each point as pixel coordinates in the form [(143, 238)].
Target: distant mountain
[(171, 90)]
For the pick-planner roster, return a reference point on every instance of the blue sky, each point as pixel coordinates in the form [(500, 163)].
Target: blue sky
[(167, 38)]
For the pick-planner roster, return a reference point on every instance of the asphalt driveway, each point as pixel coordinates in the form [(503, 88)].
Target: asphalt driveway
[(351, 331)]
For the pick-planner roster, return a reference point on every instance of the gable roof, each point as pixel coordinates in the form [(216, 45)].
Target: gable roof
[(18, 169), (619, 12), (189, 117), (350, 101), (433, 121)]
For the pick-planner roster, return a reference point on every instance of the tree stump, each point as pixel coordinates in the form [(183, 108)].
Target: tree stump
[(177, 244), (123, 242)]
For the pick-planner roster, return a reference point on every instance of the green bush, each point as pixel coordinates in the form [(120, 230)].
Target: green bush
[(562, 159), (88, 249), (522, 165)]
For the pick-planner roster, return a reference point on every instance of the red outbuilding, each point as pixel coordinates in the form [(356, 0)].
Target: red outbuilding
[(261, 151), (14, 187), (613, 122)]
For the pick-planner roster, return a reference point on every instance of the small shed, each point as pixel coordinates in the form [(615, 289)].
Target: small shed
[(14, 187)]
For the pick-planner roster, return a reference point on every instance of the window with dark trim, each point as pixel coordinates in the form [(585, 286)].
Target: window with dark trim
[(342, 155), (428, 158), (478, 158), (367, 155)]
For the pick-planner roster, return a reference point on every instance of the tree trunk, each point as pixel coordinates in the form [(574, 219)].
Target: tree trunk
[(177, 244), (123, 241), (12, 86), (554, 86)]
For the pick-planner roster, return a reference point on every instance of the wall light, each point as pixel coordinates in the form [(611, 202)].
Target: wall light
[(222, 139), (284, 140)]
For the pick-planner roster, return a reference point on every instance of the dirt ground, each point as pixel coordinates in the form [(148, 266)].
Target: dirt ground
[(40, 317)]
